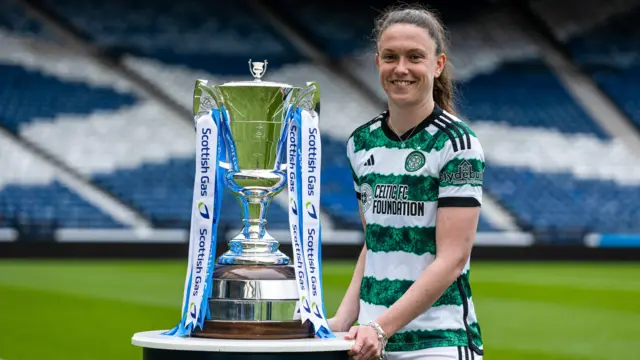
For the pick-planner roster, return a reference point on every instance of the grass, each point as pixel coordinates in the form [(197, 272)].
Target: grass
[(90, 309)]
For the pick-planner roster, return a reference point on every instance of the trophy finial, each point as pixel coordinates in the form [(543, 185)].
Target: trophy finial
[(257, 69)]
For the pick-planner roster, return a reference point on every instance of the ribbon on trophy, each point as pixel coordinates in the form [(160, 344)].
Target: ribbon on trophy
[(303, 175), (208, 189)]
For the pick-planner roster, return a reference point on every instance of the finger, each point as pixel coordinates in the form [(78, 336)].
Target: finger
[(367, 348), (355, 349), (371, 354), (352, 333)]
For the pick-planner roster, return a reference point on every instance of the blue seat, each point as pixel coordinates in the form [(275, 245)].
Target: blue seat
[(218, 37), (610, 52), (543, 201), (53, 206), (526, 94), (26, 96), (164, 191)]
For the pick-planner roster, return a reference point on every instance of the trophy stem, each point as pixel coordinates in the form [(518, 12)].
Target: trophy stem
[(254, 245), (254, 209)]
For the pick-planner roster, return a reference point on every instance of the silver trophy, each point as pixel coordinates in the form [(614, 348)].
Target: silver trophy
[(254, 287)]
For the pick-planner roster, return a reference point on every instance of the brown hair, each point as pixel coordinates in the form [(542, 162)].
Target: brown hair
[(443, 88)]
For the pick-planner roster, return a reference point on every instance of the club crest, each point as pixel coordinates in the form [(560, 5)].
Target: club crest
[(415, 160)]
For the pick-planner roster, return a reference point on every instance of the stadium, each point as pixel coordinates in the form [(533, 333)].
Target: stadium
[(97, 157)]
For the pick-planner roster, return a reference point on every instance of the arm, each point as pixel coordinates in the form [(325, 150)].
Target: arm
[(347, 313), (459, 202), (456, 227)]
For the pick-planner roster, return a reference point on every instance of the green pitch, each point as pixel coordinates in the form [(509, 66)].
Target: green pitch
[(538, 311)]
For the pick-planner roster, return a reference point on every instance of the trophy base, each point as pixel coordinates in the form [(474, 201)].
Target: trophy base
[(282, 330), (254, 302)]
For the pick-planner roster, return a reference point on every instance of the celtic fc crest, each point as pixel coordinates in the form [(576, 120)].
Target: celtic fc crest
[(415, 160)]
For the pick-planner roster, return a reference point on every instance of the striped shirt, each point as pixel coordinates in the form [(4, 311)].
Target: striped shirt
[(401, 182)]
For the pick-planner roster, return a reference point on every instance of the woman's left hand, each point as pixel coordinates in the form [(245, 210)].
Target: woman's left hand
[(367, 345)]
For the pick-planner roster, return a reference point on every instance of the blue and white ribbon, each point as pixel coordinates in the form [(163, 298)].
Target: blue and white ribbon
[(304, 153), (208, 189)]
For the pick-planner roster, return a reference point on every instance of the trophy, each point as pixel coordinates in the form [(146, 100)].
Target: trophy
[(253, 291)]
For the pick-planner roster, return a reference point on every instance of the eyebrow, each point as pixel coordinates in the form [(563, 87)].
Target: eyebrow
[(409, 50)]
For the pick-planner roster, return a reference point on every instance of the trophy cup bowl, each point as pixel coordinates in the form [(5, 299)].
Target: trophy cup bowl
[(255, 295)]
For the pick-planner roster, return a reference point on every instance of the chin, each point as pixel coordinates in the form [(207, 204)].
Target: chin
[(403, 99)]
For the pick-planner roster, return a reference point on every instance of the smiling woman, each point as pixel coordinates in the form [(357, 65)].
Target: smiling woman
[(410, 291)]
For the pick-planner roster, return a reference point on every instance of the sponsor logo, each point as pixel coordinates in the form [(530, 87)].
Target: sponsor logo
[(370, 161), (293, 146), (294, 206), (200, 261), (415, 160), (316, 310), (203, 209), (463, 176), (311, 210), (205, 162), (305, 304), (192, 310)]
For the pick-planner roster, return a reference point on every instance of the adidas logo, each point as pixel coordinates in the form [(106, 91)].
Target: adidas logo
[(370, 161)]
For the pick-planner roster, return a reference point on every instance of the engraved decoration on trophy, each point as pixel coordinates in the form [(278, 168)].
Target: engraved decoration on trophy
[(254, 290)]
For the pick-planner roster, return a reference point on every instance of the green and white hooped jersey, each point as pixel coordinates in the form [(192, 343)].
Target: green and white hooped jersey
[(401, 185)]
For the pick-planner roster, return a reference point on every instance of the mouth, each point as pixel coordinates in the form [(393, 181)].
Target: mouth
[(403, 82)]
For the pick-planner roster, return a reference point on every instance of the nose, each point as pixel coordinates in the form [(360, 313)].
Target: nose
[(401, 68)]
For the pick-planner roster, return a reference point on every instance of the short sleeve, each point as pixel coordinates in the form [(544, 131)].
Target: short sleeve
[(353, 166), (461, 175)]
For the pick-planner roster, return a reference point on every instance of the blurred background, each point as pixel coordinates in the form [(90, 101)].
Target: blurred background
[(97, 161)]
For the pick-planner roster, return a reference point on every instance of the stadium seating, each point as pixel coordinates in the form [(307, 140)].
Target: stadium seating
[(50, 206), (603, 38), (135, 148), (548, 201), (525, 94), (163, 192), (27, 96), (618, 72), (14, 18), (200, 35)]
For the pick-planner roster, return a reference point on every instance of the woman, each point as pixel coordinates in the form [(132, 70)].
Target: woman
[(417, 171)]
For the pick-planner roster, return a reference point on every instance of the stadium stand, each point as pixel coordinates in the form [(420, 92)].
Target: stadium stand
[(137, 149), (525, 94), (38, 97), (606, 48)]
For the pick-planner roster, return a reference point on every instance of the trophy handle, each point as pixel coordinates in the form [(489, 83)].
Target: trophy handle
[(315, 101)]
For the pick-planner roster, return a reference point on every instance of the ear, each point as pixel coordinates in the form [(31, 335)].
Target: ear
[(377, 62), (441, 61)]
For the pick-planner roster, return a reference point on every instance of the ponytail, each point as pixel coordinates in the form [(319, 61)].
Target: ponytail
[(443, 90)]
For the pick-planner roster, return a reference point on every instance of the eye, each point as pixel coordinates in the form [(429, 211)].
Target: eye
[(416, 57), (388, 57)]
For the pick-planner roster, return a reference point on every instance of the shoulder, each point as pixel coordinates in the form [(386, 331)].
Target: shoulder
[(459, 135), (365, 127)]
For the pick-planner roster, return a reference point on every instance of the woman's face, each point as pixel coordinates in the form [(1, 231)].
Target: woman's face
[(407, 64)]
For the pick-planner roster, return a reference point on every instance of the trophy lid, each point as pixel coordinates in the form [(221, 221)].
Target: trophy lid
[(257, 69)]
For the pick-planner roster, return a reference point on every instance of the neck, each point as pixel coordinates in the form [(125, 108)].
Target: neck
[(404, 118)]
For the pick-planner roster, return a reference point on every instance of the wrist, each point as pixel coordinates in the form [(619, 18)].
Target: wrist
[(388, 328), (383, 338), (343, 322)]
